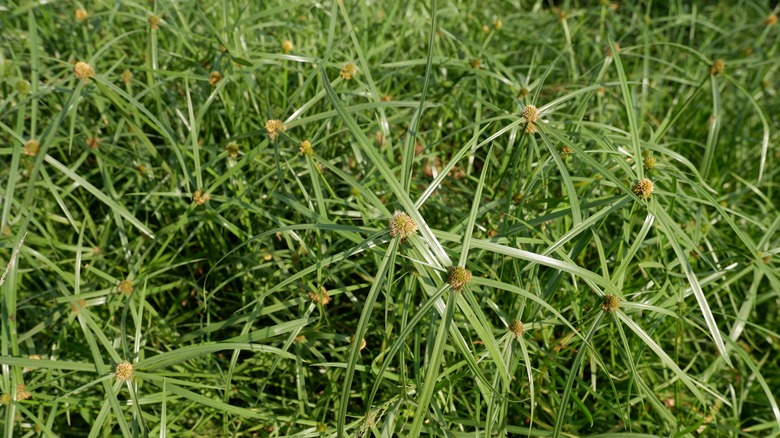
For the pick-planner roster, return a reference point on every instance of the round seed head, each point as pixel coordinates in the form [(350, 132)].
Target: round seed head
[(386, 98), (83, 71), (306, 149), (287, 46), (717, 67), (273, 127), (125, 286), (610, 303), (523, 93), (649, 163), (320, 297), (498, 24), (200, 197), (22, 393), (81, 15), (232, 149), (154, 22), (127, 76), (643, 188), (124, 371), (349, 71), (214, 78), (22, 86), (459, 277), (531, 116), (516, 327), (771, 20), (5, 399), (31, 148), (402, 225)]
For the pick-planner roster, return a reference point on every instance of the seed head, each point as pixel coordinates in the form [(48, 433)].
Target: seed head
[(402, 225), (516, 327), (320, 297), (200, 197), (125, 286), (124, 371), (566, 150), (287, 46), (22, 86), (214, 78), (475, 63), (531, 116), (232, 149), (83, 71), (459, 277), (22, 393), (608, 50), (610, 303), (154, 22), (306, 149), (273, 127), (649, 163), (386, 98), (81, 15), (523, 93), (78, 305), (643, 188), (717, 67), (31, 148), (771, 20), (93, 142), (349, 71), (498, 24), (127, 76), (5, 399)]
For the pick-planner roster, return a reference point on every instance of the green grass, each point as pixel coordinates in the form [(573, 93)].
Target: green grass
[(280, 304)]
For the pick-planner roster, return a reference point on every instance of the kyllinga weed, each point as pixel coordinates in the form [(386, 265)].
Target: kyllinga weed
[(361, 218)]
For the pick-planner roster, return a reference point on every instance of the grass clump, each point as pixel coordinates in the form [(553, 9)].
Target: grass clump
[(194, 207)]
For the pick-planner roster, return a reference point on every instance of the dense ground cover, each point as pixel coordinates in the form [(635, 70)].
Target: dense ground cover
[(448, 218)]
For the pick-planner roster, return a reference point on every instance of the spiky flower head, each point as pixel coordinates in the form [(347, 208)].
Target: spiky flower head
[(287, 46), (83, 71), (402, 225), (516, 327), (154, 22), (643, 188), (5, 399), (348, 71), (608, 50), (125, 286), (200, 197), (320, 297), (771, 20), (498, 24), (273, 127), (232, 149), (610, 303), (717, 67), (81, 15), (649, 162), (22, 393), (459, 277), (306, 149), (31, 148), (22, 86), (531, 116), (127, 76), (215, 78), (124, 371)]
